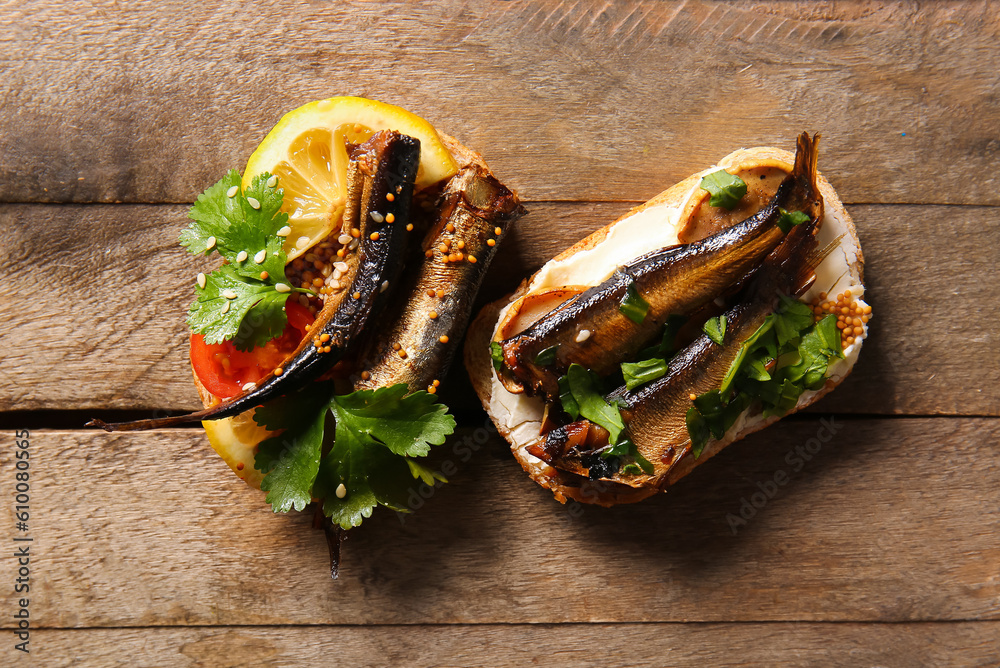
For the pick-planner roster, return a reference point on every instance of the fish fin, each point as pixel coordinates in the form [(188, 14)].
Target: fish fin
[(806, 274), (806, 172)]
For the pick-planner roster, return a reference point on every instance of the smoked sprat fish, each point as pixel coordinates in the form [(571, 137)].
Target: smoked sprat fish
[(677, 280)]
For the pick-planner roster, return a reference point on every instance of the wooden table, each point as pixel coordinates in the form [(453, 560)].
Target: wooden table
[(882, 549)]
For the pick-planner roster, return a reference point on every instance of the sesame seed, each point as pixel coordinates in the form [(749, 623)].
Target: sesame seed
[(201, 281), (344, 239), (260, 256), (252, 201), (583, 335), (337, 274), (341, 267), (377, 217), (334, 285), (225, 307), (249, 386), (232, 191), (282, 287), (210, 243), (273, 181), (384, 286), (443, 338), (353, 246), (241, 256), (264, 275), (341, 491), (229, 294), (284, 231), (302, 243), (373, 236)]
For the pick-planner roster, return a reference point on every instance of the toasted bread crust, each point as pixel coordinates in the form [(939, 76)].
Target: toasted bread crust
[(479, 364)]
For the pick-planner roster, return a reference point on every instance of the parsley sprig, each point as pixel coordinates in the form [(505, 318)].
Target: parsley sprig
[(369, 463), (239, 301)]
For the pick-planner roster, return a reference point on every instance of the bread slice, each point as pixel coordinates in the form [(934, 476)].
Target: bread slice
[(652, 225)]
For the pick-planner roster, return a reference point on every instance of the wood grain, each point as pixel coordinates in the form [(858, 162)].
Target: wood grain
[(926, 645), (147, 102), (110, 331), (888, 520)]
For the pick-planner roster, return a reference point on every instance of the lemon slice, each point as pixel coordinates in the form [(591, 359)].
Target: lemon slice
[(307, 151), (236, 440)]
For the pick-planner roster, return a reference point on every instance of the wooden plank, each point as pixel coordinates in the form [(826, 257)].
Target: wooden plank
[(110, 334), (573, 101), (577, 645), (888, 520)]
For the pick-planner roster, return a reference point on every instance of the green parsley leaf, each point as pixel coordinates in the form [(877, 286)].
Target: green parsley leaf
[(726, 189), (377, 431), (290, 461), (408, 424), (252, 318), (547, 356), (633, 306), (792, 319), (496, 353), (643, 372), (626, 448), (566, 399), (426, 475), (668, 340), (787, 220), (715, 329), (582, 386), (211, 215), (698, 431), (241, 228)]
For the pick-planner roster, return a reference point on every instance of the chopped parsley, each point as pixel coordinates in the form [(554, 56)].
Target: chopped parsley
[(368, 462), (239, 302), (496, 354), (715, 329), (633, 306), (547, 356), (642, 372), (786, 356), (726, 189), (787, 220), (590, 402)]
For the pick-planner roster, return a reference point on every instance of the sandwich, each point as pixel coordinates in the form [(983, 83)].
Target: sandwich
[(729, 300), (353, 246)]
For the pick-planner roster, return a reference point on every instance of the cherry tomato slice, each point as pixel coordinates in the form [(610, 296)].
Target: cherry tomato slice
[(224, 370)]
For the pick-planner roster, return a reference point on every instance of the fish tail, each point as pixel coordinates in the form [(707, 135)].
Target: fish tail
[(806, 173), (790, 268)]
